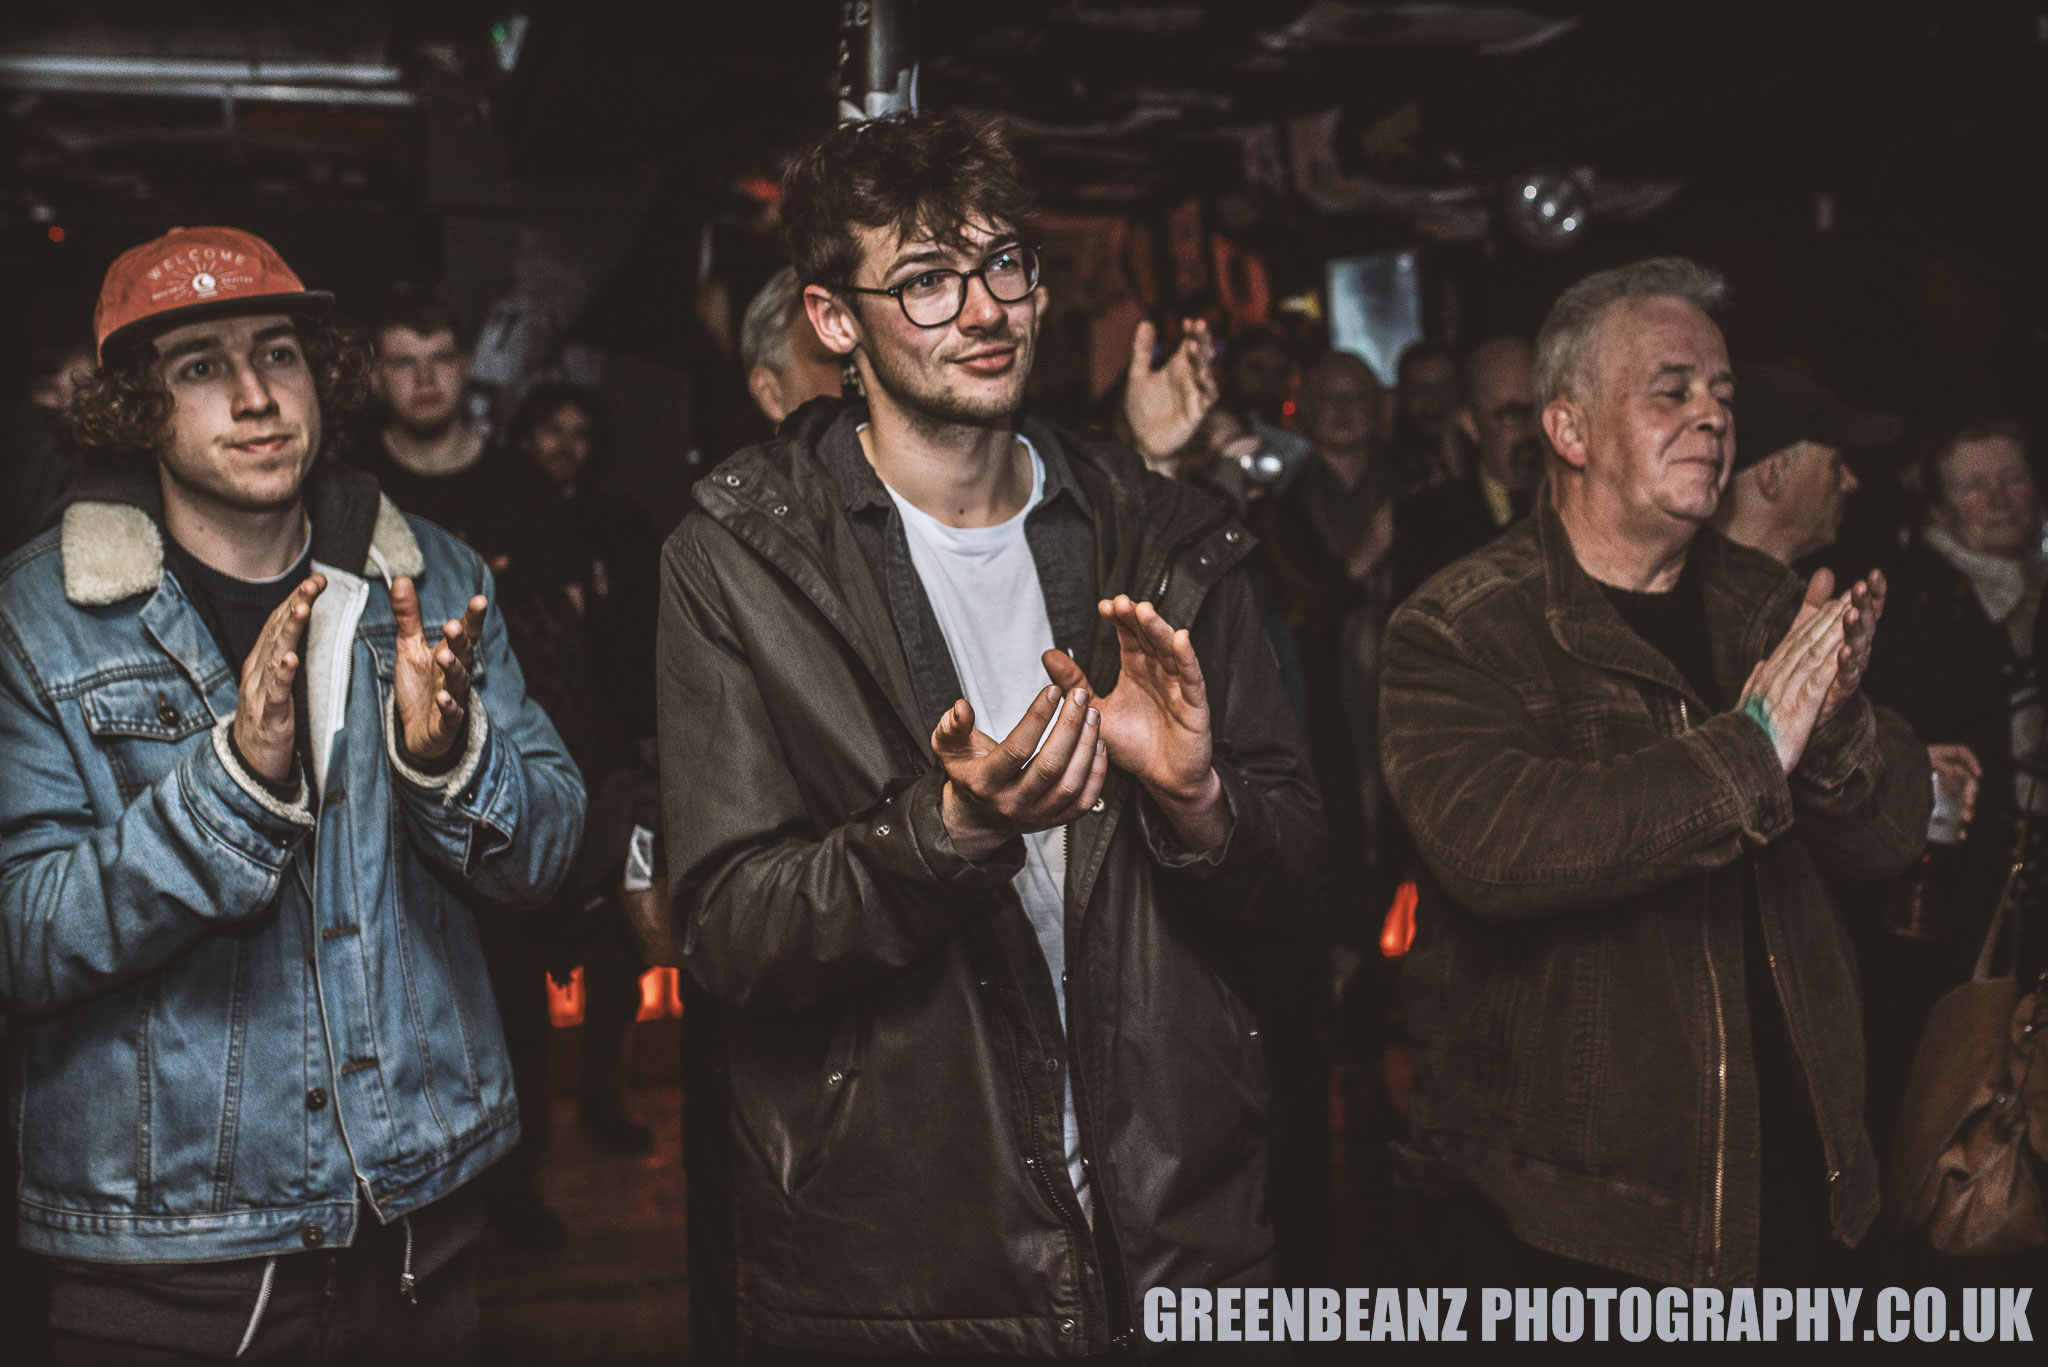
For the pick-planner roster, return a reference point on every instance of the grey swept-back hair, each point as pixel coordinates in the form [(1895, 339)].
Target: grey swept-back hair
[(1566, 337), (764, 331)]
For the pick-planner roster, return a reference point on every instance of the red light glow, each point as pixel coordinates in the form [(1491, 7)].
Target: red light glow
[(56, 233)]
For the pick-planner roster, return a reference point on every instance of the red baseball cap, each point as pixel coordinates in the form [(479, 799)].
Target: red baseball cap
[(193, 273)]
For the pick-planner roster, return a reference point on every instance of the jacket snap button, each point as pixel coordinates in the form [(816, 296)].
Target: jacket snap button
[(1233, 536), (1202, 560), (1052, 1065), (1066, 1326), (314, 1236), (1099, 805), (834, 1078), (882, 829), (733, 480), (165, 711), (781, 508), (1254, 1034), (316, 1098)]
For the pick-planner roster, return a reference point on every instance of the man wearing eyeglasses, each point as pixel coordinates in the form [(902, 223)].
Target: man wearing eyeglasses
[(981, 794), (1498, 416)]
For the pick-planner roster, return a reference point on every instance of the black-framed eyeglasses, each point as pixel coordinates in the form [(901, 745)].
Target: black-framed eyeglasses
[(934, 298)]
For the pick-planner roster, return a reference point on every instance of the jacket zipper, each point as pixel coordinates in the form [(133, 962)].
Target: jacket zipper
[(309, 882), (1720, 1065), (1827, 1149), (1071, 1218)]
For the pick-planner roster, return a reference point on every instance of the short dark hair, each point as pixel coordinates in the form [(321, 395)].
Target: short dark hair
[(1923, 477), (121, 413), (1415, 353), (927, 176), (421, 309), (548, 398)]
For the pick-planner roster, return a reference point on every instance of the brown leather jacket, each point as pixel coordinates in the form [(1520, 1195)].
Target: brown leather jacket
[(895, 1044), (1575, 991)]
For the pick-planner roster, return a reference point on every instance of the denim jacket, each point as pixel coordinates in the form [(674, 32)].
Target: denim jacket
[(234, 1015)]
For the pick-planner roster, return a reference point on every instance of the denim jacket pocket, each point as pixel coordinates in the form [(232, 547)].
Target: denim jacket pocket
[(143, 724)]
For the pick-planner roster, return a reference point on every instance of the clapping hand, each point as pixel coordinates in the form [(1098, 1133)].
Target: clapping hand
[(1155, 723), (265, 725), (433, 678), (999, 789)]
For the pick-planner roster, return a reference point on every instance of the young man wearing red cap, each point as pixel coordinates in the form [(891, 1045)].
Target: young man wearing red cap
[(994, 1073), (247, 778)]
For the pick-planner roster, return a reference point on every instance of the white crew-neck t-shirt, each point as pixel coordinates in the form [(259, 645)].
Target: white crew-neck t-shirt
[(983, 587)]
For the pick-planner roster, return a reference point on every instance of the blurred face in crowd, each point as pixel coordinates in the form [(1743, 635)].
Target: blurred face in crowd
[(1428, 394), (1645, 427), (1340, 405), (810, 371), (560, 444), (245, 414), (421, 378), (1987, 499), (1815, 484), (1259, 374), (54, 390), (969, 371), (1499, 417)]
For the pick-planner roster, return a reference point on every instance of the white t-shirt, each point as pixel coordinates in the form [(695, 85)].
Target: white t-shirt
[(983, 587)]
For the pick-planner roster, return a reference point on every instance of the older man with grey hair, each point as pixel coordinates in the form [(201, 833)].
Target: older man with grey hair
[(1628, 749), (786, 365)]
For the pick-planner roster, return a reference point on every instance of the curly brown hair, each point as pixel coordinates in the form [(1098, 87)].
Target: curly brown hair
[(122, 411), (928, 176)]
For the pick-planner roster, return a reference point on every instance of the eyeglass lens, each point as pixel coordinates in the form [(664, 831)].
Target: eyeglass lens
[(931, 298)]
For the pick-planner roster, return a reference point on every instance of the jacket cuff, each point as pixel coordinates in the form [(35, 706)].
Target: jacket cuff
[(1745, 754), (1164, 844), (295, 808), (1841, 747), (454, 780), (922, 809)]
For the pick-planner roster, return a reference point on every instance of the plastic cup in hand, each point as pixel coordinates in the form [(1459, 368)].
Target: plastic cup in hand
[(1945, 822)]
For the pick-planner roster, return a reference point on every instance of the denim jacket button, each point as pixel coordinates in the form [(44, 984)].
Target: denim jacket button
[(316, 1098), (314, 1236), (166, 711)]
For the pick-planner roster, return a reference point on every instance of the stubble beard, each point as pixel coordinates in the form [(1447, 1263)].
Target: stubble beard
[(209, 484), (933, 406)]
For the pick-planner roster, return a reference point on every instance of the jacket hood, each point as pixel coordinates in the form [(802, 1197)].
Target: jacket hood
[(112, 542)]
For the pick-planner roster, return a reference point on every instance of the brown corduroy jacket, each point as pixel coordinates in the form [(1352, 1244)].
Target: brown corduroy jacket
[(1576, 987)]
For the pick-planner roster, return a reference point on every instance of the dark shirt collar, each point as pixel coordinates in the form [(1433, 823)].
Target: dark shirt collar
[(861, 488)]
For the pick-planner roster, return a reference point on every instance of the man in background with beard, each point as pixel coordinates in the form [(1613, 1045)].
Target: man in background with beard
[(1436, 526)]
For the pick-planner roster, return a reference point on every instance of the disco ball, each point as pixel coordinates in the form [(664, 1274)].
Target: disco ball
[(1548, 211)]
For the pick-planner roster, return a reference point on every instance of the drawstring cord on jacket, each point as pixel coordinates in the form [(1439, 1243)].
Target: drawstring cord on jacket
[(262, 1304)]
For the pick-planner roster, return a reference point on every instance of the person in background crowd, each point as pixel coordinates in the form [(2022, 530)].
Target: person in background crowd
[(1436, 526), (35, 462), (1330, 534), (1627, 750), (1427, 393), (1325, 542), (254, 1095), (431, 463), (786, 365), (900, 902), (1791, 481), (1956, 661), (1257, 386), (579, 608), (57, 369), (427, 457)]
